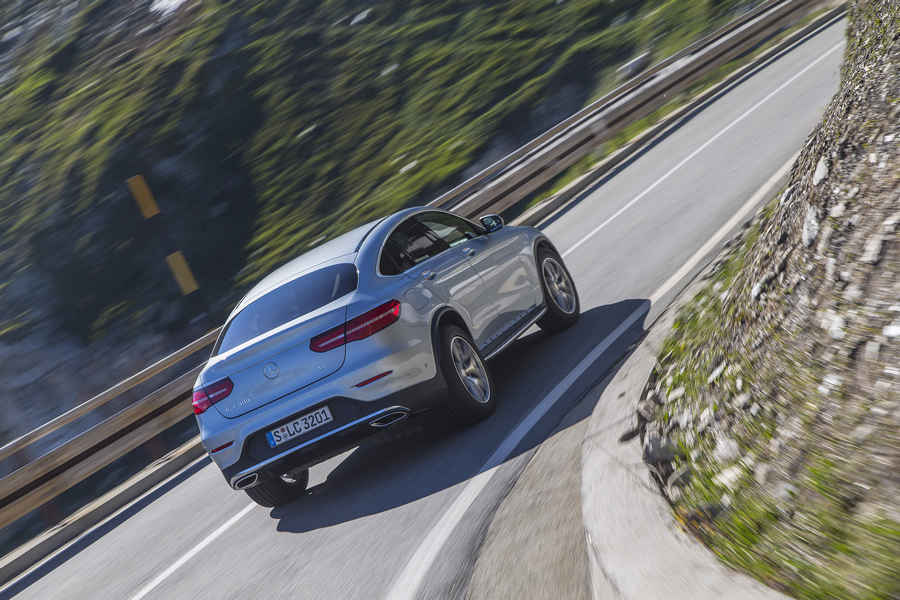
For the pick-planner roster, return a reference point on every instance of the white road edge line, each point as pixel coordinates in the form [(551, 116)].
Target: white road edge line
[(703, 147), (407, 584), (192, 552), (736, 218)]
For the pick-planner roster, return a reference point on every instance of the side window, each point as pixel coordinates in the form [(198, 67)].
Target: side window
[(409, 244), (450, 228), (391, 259)]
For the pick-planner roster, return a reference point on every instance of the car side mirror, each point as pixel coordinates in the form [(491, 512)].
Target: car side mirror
[(491, 223)]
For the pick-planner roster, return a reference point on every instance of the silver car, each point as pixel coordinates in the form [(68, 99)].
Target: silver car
[(390, 319)]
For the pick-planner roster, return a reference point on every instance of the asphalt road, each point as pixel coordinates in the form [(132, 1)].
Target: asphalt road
[(421, 517)]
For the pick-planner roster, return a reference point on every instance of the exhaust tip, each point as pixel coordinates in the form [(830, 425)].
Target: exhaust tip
[(389, 419), (246, 481)]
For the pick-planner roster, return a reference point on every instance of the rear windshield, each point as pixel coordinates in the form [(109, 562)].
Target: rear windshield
[(287, 302)]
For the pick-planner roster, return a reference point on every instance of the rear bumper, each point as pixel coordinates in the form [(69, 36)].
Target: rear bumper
[(354, 424)]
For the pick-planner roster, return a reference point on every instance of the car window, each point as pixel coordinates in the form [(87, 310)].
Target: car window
[(450, 228), (409, 244), (392, 259), (287, 302)]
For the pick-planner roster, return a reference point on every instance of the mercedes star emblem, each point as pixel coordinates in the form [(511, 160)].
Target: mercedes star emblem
[(270, 370)]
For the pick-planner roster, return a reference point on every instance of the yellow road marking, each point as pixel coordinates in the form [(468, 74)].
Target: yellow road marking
[(144, 197), (182, 272)]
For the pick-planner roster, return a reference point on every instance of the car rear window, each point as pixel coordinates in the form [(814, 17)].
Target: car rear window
[(287, 302)]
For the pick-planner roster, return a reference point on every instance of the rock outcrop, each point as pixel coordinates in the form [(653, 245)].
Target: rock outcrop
[(780, 381)]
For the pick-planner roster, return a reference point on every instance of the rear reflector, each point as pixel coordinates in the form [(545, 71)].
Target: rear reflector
[(208, 395), (358, 328), (373, 379), (222, 447)]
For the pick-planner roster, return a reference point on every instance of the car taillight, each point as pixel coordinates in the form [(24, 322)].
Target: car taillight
[(208, 395), (357, 328)]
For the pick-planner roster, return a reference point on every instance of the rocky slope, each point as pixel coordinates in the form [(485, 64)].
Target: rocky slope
[(772, 419)]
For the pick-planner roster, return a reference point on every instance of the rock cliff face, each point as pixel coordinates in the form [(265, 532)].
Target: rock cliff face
[(772, 420)]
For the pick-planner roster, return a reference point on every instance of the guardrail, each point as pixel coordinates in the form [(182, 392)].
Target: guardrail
[(496, 188), (54, 472)]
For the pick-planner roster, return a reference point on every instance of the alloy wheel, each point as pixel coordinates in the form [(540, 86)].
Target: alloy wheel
[(470, 369), (559, 285)]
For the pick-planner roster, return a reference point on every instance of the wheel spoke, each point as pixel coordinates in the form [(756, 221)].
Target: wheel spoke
[(457, 354), (470, 369), (558, 285)]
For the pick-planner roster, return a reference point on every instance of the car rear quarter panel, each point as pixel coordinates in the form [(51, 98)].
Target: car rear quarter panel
[(404, 348)]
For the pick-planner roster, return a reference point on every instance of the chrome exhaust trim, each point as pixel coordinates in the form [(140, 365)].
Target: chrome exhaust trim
[(246, 481), (389, 419)]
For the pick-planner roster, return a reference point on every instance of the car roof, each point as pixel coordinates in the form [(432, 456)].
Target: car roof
[(343, 248)]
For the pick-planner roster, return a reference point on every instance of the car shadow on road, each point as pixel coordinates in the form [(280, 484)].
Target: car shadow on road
[(430, 454)]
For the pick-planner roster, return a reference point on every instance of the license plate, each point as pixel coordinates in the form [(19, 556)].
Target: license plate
[(299, 426)]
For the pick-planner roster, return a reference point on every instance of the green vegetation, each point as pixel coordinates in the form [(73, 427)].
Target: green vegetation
[(262, 126)]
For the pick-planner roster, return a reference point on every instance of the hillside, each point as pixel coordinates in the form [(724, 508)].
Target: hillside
[(772, 419), (263, 126)]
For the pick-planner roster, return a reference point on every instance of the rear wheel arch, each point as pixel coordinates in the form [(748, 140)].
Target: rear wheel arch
[(442, 317), (542, 242), (464, 405), (446, 316)]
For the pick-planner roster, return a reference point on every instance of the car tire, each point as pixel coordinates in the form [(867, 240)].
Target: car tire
[(470, 387), (272, 490), (560, 296)]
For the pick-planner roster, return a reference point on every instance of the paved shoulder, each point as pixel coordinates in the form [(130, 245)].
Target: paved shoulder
[(636, 550), (535, 546)]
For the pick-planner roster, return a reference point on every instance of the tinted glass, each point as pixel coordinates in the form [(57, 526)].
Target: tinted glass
[(452, 229), (409, 244), (392, 259), (287, 302)]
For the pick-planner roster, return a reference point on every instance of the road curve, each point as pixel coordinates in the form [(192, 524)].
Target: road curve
[(406, 519)]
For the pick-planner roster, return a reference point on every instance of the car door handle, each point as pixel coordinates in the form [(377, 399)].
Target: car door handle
[(469, 251), (428, 274)]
